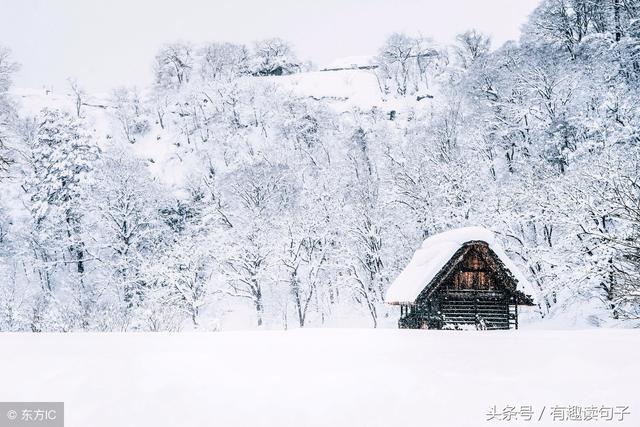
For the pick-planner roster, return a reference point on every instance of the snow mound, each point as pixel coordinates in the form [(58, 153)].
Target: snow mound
[(434, 254)]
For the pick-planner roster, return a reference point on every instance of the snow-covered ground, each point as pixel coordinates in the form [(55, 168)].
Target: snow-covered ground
[(322, 377)]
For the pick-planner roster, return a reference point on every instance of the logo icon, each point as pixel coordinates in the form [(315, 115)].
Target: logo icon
[(12, 415)]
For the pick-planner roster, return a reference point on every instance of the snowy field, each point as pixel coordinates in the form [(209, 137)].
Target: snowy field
[(322, 377)]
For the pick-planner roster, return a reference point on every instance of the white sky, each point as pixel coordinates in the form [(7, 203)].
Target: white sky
[(105, 43)]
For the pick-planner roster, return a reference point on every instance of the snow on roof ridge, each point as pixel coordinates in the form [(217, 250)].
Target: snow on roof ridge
[(433, 255)]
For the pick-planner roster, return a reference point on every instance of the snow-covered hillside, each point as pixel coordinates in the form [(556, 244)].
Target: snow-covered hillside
[(238, 189), (350, 378), (343, 91)]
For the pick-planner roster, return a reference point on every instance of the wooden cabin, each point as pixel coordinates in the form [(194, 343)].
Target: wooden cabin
[(460, 279)]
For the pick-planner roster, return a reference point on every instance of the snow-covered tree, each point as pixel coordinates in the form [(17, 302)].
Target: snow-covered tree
[(406, 65), (274, 57), (7, 68), (223, 61), (470, 47), (174, 65), (62, 158), (128, 226), (130, 113)]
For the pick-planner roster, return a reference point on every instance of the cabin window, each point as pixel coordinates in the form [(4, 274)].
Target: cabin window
[(473, 274), (472, 280)]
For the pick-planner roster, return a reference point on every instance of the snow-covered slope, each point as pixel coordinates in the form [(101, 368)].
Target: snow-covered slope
[(343, 90), (321, 377), (349, 62), (162, 157)]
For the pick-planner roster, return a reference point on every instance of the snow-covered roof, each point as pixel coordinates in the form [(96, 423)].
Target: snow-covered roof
[(434, 254)]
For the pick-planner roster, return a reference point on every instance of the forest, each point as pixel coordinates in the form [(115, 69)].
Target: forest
[(221, 197)]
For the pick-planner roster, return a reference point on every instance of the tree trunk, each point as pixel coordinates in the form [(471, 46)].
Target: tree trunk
[(259, 310), (616, 14)]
